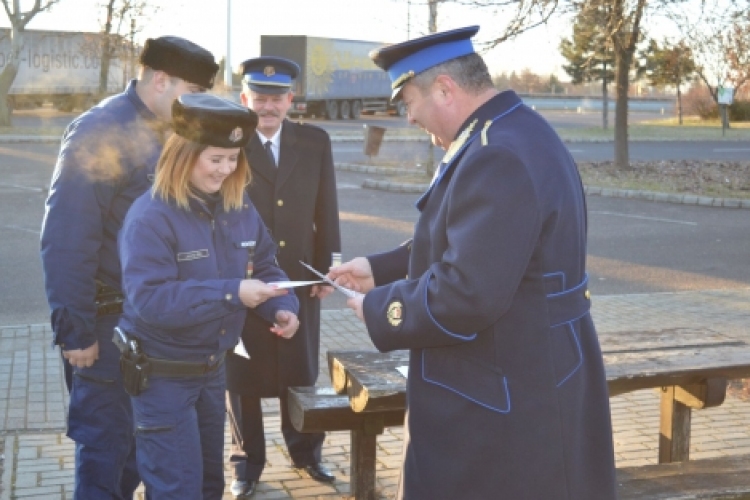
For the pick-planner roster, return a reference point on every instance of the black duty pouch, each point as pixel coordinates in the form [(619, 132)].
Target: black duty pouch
[(136, 370)]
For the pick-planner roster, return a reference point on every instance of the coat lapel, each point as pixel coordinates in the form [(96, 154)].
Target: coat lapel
[(288, 155), (258, 160)]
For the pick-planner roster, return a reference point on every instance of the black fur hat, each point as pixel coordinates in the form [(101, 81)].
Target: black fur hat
[(181, 58), (208, 119)]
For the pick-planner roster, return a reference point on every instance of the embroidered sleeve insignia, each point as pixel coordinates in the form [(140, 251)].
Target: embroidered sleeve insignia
[(395, 313)]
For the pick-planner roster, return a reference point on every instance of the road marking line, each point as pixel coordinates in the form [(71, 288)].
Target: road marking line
[(25, 188), (731, 150), (19, 228), (576, 150), (643, 217)]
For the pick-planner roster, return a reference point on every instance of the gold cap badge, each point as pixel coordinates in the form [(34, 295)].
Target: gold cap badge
[(236, 134), (269, 71), (395, 313)]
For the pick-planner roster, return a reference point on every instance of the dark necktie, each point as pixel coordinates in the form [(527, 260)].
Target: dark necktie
[(267, 145)]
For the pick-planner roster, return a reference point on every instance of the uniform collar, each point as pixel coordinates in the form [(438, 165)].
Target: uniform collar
[(275, 140), (490, 110), (140, 107)]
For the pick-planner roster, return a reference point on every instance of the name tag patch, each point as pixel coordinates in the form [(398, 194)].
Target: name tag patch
[(195, 254)]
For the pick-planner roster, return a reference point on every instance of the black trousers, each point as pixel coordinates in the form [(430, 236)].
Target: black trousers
[(248, 452)]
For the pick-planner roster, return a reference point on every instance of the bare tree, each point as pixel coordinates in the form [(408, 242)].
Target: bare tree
[(18, 22), (718, 37), (510, 17), (120, 15), (738, 51)]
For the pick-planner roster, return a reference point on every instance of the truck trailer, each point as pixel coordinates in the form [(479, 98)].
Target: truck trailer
[(60, 67), (337, 79)]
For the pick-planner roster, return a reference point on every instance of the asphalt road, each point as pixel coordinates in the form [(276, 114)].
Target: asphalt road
[(634, 246)]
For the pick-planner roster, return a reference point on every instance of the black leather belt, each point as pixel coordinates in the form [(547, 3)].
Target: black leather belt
[(105, 309), (167, 368), (108, 300)]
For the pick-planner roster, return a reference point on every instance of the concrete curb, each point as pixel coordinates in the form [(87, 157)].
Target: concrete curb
[(8, 466), (29, 139), (677, 198)]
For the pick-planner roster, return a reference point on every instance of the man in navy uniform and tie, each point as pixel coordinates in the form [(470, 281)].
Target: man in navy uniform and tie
[(506, 393), (294, 190)]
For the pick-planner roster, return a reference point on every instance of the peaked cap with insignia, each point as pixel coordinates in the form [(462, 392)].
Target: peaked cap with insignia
[(214, 121), (269, 75), (403, 61), (181, 58)]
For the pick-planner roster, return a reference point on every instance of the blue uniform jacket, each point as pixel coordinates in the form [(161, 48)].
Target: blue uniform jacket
[(106, 161), (507, 395), (181, 275)]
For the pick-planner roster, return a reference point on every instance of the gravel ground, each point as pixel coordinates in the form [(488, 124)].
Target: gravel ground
[(704, 178)]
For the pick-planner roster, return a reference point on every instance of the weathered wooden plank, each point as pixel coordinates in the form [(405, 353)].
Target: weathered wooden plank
[(633, 360), (644, 340), (709, 394), (342, 363), (716, 478), (674, 428), (633, 371), (364, 455), (318, 409)]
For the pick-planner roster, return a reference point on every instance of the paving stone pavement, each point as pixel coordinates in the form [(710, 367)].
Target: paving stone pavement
[(38, 457)]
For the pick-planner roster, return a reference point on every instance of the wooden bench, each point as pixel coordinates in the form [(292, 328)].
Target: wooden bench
[(321, 409), (714, 478)]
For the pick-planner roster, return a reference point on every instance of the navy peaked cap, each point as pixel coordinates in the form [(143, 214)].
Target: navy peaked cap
[(181, 58), (269, 75), (402, 61), (214, 121)]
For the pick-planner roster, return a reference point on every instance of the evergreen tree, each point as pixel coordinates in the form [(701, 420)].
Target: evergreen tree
[(669, 65), (590, 58)]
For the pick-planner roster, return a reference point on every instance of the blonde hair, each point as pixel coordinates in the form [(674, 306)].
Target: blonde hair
[(176, 163)]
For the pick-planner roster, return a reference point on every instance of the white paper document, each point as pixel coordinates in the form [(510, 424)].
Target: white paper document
[(240, 350), (403, 370), (294, 284)]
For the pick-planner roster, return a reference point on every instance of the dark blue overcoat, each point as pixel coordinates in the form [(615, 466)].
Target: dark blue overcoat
[(507, 396), (297, 201)]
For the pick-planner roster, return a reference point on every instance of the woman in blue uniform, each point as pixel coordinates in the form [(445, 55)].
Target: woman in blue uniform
[(195, 256)]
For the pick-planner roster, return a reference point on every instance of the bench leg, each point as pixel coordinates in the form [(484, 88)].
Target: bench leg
[(674, 428), (362, 486)]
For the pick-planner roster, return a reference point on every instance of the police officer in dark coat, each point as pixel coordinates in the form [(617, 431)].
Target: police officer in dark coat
[(195, 255), (106, 161), (507, 395), (294, 190)]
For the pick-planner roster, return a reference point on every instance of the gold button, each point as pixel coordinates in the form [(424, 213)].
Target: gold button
[(211, 357), (587, 294), (280, 203), (222, 331), (228, 296), (282, 244)]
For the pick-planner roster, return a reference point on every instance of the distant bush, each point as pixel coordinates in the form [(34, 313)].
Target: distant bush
[(739, 111), (698, 101)]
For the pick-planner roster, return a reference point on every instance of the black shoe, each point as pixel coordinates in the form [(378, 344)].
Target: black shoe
[(242, 489), (319, 472)]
